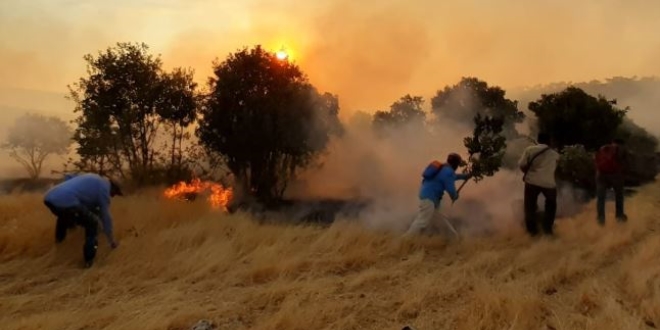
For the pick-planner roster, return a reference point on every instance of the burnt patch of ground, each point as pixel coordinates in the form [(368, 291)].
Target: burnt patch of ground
[(304, 211)]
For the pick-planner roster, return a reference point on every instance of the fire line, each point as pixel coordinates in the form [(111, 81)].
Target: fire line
[(219, 196)]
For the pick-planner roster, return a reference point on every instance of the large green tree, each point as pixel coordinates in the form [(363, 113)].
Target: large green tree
[(266, 120), (581, 123), (471, 97), (122, 103), (34, 137), (574, 117)]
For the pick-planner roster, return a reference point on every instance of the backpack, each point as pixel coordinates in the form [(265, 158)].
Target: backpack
[(432, 169), (606, 159)]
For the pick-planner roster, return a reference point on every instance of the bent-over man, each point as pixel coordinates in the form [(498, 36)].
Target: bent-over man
[(74, 203)]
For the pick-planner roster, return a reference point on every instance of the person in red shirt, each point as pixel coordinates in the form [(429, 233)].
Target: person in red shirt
[(610, 161)]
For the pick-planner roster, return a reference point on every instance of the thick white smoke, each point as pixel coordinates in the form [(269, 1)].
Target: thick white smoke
[(387, 173)]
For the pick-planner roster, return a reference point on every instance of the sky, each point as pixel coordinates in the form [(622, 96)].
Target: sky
[(368, 52)]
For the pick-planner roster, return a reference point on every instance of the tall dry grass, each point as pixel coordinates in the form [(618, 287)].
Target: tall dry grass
[(181, 262)]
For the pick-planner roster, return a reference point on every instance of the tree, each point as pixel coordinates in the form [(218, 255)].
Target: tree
[(638, 140), (574, 117), (581, 123), (407, 110), (34, 137), (471, 96), (178, 110), (266, 120), (485, 147), (576, 166), (642, 148), (122, 103)]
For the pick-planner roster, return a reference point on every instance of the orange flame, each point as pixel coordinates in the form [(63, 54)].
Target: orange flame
[(219, 196)]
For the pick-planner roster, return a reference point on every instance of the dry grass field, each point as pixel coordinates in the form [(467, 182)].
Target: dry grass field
[(181, 262)]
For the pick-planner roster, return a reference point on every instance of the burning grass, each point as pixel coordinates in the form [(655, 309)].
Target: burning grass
[(181, 262), (218, 196)]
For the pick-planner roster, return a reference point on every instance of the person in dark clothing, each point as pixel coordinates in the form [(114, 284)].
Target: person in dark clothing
[(611, 163), (78, 201), (539, 163)]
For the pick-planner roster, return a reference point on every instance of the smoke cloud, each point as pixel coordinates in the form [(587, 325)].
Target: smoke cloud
[(387, 173), (368, 52)]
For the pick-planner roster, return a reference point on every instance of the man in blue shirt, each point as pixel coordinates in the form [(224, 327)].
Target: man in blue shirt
[(436, 179), (75, 201)]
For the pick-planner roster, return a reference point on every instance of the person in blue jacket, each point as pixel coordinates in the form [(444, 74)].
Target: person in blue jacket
[(437, 179), (76, 201)]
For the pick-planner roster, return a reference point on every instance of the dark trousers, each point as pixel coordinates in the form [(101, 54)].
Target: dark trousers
[(532, 193), (604, 182), (67, 218)]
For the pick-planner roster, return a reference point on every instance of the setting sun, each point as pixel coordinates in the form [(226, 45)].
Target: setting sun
[(282, 55)]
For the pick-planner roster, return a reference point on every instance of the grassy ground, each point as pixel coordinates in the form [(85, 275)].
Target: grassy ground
[(180, 262)]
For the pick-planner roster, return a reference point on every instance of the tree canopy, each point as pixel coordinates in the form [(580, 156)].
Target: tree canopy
[(581, 123), (407, 110), (485, 147), (122, 103), (574, 117), (266, 120), (34, 137), (471, 96)]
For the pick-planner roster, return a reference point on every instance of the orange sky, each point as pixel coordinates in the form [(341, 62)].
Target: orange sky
[(368, 52)]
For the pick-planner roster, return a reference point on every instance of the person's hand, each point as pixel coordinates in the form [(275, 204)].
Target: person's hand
[(454, 198)]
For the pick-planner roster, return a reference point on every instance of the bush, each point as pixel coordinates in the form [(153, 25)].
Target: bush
[(576, 166)]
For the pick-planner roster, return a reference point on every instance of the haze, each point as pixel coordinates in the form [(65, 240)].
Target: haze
[(369, 53)]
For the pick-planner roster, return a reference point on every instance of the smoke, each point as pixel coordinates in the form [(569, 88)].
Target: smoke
[(367, 52), (386, 172)]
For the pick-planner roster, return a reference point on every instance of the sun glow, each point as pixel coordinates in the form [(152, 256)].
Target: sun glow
[(282, 54)]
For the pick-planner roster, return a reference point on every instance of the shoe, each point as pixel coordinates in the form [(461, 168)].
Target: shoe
[(89, 263), (622, 218)]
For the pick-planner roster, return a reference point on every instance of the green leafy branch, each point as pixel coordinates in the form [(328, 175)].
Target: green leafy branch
[(485, 147)]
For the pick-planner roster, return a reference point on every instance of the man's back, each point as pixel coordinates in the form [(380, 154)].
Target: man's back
[(434, 187), (611, 159), (542, 171), (87, 189)]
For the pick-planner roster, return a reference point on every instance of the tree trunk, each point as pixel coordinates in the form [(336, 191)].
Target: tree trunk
[(173, 155)]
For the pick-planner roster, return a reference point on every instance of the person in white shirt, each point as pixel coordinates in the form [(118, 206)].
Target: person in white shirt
[(539, 163)]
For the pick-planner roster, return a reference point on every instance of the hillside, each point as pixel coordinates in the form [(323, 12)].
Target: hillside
[(179, 262)]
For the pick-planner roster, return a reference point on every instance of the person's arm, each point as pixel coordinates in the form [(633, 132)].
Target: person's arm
[(449, 182)]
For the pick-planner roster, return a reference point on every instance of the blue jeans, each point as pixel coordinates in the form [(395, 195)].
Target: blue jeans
[(69, 217)]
